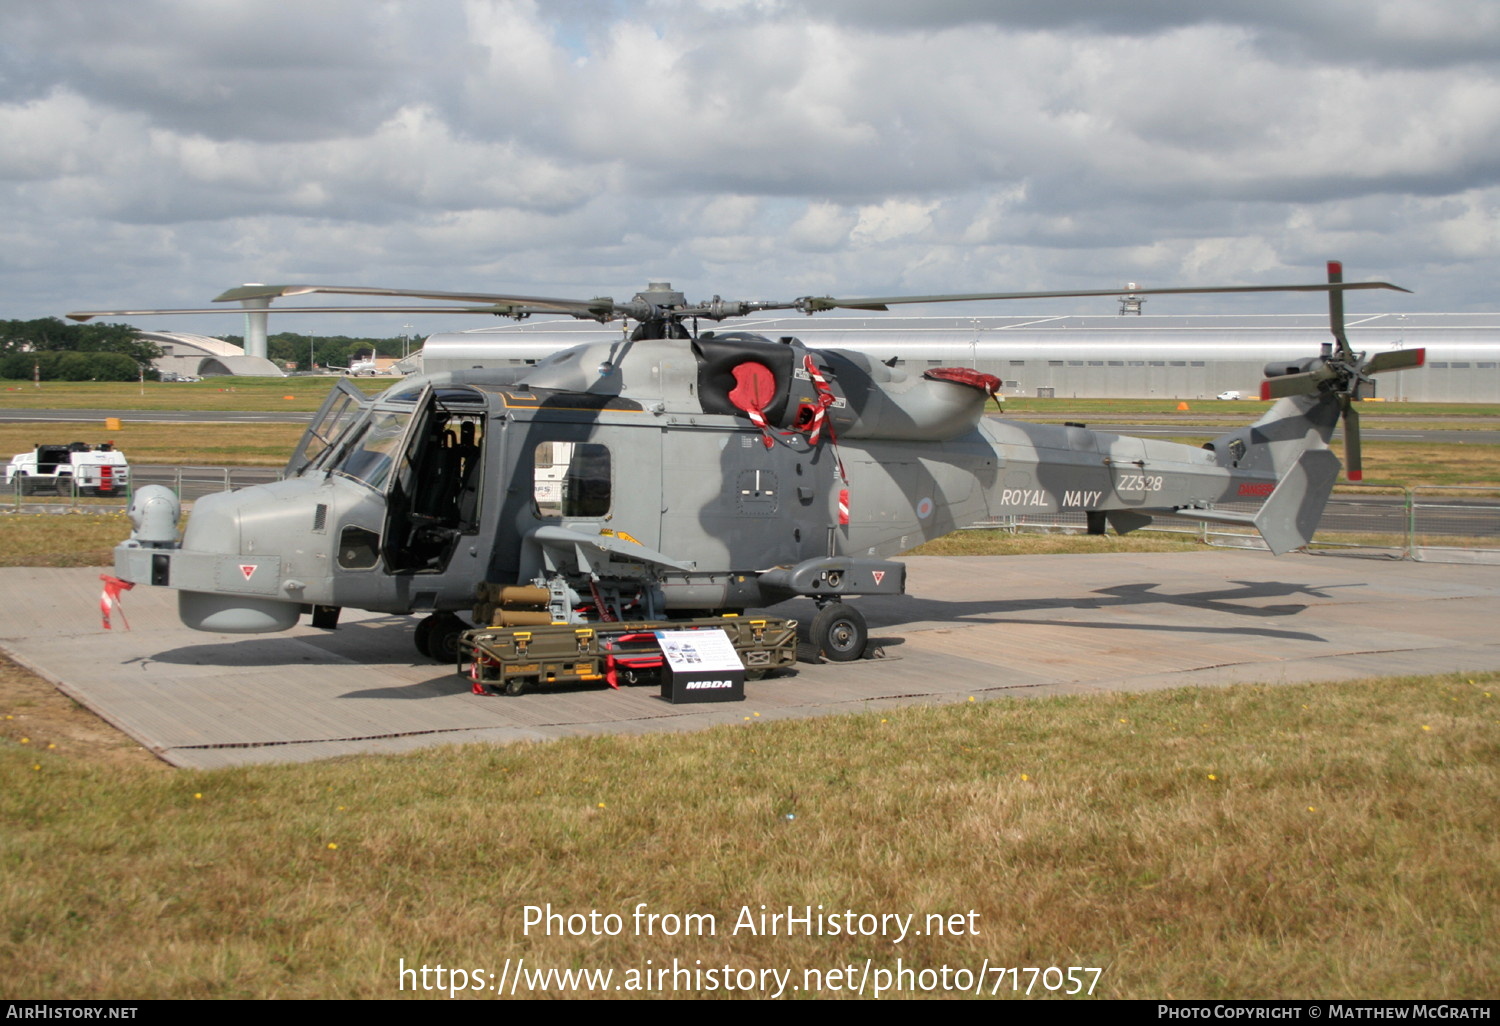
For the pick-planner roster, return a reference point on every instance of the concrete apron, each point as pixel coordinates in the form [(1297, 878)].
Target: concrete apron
[(990, 627)]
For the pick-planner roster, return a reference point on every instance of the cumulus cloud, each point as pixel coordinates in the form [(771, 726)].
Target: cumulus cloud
[(159, 151)]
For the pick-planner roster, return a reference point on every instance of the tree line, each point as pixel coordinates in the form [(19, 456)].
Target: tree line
[(288, 347), (59, 351)]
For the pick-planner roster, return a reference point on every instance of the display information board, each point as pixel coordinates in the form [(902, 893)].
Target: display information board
[(701, 666)]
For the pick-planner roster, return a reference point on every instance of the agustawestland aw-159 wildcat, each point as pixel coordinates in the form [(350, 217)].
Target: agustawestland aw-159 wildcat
[(683, 474)]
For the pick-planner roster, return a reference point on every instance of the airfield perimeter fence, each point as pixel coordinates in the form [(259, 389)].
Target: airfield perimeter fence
[(187, 483), (1438, 524)]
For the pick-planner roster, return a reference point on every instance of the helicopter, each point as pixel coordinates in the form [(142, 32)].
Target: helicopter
[(676, 473)]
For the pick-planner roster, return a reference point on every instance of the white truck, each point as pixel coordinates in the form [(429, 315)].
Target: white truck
[(77, 468)]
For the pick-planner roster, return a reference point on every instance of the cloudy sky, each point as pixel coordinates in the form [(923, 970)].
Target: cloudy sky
[(155, 152)]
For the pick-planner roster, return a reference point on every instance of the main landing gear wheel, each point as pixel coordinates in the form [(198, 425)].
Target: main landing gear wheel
[(839, 633), (424, 631), (437, 636)]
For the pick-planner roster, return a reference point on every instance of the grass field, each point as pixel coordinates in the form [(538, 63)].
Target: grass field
[(307, 393), (1337, 840), (1248, 409), (218, 445)]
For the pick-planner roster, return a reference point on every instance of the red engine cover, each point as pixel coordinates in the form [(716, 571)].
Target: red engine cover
[(986, 383)]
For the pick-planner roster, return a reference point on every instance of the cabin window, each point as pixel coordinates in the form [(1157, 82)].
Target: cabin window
[(571, 479)]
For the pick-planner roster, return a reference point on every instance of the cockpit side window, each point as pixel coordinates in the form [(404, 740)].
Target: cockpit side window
[(571, 479), (371, 454), (338, 415)]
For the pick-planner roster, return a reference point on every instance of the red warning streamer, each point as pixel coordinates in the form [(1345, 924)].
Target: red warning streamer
[(111, 598), (826, 399)]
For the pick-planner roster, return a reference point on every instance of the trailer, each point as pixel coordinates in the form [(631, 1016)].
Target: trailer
[(511, 660)]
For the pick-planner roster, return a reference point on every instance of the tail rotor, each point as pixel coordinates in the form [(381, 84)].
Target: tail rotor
[(1337, 372)]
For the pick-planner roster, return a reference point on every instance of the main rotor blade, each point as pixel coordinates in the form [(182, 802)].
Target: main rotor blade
[(1354, 467), (591, 308), (1395, 359), (86, 315), (604, 308), (812, 304)]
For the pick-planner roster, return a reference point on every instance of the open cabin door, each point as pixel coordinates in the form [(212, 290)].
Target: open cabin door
[(339, 410), (433, 495)]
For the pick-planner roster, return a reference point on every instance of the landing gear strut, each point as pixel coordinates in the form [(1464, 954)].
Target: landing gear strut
[(839, 632)]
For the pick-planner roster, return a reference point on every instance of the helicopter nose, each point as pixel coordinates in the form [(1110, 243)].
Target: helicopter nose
[(214, 525), (224, 588)]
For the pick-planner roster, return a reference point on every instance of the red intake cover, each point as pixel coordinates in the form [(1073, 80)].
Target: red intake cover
[(986, 383)]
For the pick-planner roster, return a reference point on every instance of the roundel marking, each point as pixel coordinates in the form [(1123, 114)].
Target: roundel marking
[(924, 509)]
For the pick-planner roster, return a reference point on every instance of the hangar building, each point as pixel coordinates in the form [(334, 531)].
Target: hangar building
[(1175, 357), (199, 356)]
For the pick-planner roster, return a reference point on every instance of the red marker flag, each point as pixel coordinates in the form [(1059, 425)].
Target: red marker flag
[(111, 597)]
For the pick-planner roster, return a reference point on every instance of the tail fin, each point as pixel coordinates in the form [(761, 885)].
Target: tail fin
[(1291, 442), (1277, 440), (1289, 516)]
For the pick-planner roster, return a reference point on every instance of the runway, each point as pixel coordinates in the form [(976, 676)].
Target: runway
[(981, 627)]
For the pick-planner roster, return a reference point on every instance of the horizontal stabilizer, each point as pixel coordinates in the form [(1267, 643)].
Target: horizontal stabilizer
[(1126, 520)]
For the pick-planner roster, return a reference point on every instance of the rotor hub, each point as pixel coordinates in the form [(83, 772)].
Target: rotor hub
[(661, 295)]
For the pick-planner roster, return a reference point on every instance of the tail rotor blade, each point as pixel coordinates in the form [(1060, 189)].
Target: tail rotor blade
[(1336, 308), (1293, 384), (1396, 359), (1354, 467)]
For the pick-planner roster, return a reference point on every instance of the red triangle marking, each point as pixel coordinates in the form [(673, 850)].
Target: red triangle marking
[(248, 569)]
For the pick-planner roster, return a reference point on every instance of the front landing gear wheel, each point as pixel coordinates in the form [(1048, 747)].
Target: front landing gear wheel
[(437, 636), (839, 633)]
